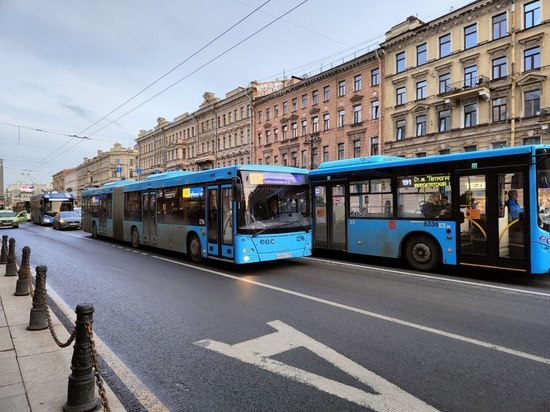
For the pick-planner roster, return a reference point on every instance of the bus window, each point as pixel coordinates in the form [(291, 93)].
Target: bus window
[(424, 196), (543, 193), (371, 198)]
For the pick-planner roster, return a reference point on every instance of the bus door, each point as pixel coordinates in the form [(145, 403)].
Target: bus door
[(102, 221), (149, 218), (492, 234), (220, 221), (329, 216)]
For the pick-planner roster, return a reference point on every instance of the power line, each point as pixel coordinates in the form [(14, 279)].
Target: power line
[(201, 67)]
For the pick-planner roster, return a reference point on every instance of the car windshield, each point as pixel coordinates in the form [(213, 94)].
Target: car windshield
[(66, 215), (7, 213)]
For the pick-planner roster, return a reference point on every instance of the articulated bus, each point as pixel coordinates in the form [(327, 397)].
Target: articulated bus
[(486, 209), (44, 206), (241, 214)]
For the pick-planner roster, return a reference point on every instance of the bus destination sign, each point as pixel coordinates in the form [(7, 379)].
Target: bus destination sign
[(425, 181)]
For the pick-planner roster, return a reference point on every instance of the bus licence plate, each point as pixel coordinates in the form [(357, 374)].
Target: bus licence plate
[(283, 255)]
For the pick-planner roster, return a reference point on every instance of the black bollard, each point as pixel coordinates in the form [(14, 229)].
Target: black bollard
[(81, 390), (4, 254), (11, 267), (39, 318), (24, 273)]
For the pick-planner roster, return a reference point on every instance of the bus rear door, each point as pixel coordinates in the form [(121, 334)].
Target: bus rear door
[(489, 236), (220, 221), (329, 216), (149, 218)]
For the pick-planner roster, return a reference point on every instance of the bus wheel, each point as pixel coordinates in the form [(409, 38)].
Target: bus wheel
[(194, 249), (94, 230), (135, 238), (422, 253)]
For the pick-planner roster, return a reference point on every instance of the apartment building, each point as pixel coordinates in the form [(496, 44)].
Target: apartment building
[(65, 180), (476, 78), (329, 116), (118, 163)]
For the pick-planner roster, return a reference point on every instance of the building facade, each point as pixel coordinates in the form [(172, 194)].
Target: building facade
[(476, 78), (65, 180), (119, 163), (329, 116)]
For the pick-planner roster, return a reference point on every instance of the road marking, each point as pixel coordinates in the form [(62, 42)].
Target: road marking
[(142, 394), (258, 352), (423, 276), (439, 332)]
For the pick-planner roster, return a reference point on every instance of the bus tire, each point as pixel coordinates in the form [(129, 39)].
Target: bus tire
[(194, 249), (135, 238), (422, 253), (94, 231)]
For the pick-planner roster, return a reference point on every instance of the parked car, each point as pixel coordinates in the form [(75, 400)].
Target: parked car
[(67, 220), (8, 219)]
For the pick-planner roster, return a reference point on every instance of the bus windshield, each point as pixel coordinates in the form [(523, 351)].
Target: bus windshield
[(543, 191), (272, 202)]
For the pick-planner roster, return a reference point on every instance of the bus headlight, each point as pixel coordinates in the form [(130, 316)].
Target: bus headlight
[(246, 258)]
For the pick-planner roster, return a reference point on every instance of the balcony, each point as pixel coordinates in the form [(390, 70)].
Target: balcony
[(467, 88)]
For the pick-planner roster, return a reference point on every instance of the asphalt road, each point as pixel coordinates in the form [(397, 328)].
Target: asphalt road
[(309, 334)]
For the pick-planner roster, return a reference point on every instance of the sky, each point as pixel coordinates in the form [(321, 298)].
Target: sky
[(70, 71)]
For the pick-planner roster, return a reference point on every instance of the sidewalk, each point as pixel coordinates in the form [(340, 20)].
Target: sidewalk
[(34, 371)]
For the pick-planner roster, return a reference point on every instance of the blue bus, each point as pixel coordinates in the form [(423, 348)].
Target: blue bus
[(486, 209), (241, 214), (45, 206)]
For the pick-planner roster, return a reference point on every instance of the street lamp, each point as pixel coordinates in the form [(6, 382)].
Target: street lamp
[(310, 140)]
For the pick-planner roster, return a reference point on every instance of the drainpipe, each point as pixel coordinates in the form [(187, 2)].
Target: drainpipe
[(380, 106), (513, 76), (252, 154)]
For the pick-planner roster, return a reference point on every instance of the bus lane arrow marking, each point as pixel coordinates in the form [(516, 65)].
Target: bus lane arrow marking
[(388, 397)]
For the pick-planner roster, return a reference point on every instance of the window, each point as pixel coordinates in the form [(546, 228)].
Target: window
[(498, 145), (531, 14), (375, 77), (470, 36), (499, 67), (304, 127), (421, 54), (325, 154), (275, 135), (304, 101), (499, 109), (499, 26), (294, 131), (421, 89), (400, 129), (285, 107), (444, 82), (470, 115), (531, 58), (326, 93), (340, 151), (267, 114), (413, 202), (259, 118), (421, 125), (470, 148), (420, 154), (371, 198), (315, 97), (444, 120), (357, 83), (470, 76), (315, 124), (294, 159), (285, 132), (400, 62), (374, 148), (444, 152), (294, 104), (285, 159), (374, 106), (400, 96), (259, 139), (326, 121), (531, 140), (276, 110), (341, 88), (357, 114), (267, 136), (444, 45), (531, 103), (341, 117), (357, 148), (304, 158), (315, 156)]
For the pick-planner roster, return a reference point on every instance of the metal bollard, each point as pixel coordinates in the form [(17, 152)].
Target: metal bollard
[(81, 390), (4, 254), (39, 320), (22, 287), (11, 267)]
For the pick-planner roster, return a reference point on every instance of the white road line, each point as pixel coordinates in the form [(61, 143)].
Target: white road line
[(424, 276), (486, 345), (143, 395)]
